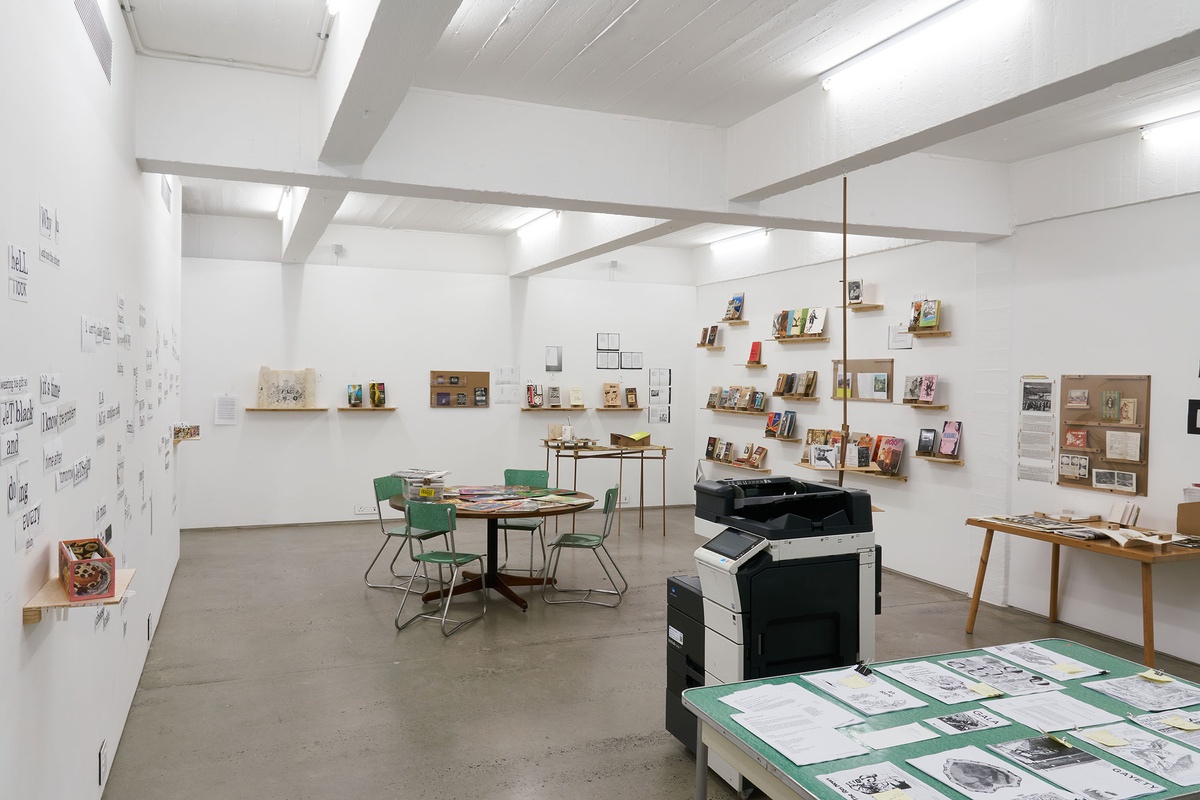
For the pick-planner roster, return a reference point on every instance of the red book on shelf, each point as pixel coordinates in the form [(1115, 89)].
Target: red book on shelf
[(755, 353)]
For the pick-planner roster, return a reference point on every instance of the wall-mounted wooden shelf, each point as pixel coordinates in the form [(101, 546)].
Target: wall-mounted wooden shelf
[(314, 408), (752, 366), (1082, 449), (731, 465), (710, 347), (799, 398), (52, 595), (555, 408), (858, 308), (185, 439), (799, 339), (928, 406), (940, 459), (863, 399), (735, 322), (1124, 425), (366, 408), (873, 469), (930, 333), (619, 408), (738, 411), (784, 438), (885, 476)]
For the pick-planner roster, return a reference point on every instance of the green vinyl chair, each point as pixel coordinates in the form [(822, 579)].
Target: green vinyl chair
[(595, 543), (534, 526), (386, 488), (438, 517)]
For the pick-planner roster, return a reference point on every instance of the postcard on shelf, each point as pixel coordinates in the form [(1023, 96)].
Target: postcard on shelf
[(734, 308), (1115, 480), (443, 398), (815, 324), (712, 336), (553, 396), (824, 455), (1077, 398), (1127, 411), (631, 396), (864, 390), (481, 396), (612, 395), (755, 356), (1122, 445), (1070, 466), (926, 440), (854, 291), (576, 394), (1075, 438), (842, 387), (460, 398), (951, 438), (1110, 406)]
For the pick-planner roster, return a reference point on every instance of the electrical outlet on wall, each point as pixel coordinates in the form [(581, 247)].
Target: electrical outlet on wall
[(624, 499), (363, 508)]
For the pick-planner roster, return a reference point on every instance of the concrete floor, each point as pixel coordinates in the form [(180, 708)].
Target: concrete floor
[(275, 673)]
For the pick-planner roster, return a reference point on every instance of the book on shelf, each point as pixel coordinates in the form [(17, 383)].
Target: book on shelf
[(714, 397), (1071, 466), (1123, 445), (1077, 398), (1076, 438), (711, 447), (891, 449), (930, 309), (810, 382), (914, 318), (703, 336), (816, 436), (1110, 406), (787, 425), (773, 420), (533, 395), (481, 396), (797, 318), (815, 323), (781, 383), (744, 398), (712, 336), (1127, 411), (928, 388), (833, 437), (553, 396), (912, 388), (576, 395), (1123, 512), (779, 324), (759, 401), (747, 451), (757, 457), (460, 398), (612, 395), (733, 310), (825, 456), (789, 384), (926, 440), (854, 291), (861, 455), (631, 396), (842, 386), (866, 440), (723, 400), (731, 399), (951, 438), (727, 452), (755, 356)]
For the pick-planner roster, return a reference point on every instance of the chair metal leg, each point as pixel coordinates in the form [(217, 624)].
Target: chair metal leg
[(392, 566), (556, 557), (446, 603), (403, 600)]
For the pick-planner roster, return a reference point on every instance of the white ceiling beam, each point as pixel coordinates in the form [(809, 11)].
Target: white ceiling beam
[(562, 234), (307, 216), (375, 51), (970, 71), (600, 248)]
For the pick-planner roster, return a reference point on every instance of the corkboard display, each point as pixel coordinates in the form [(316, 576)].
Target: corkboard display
[(459, 389), (856, 366), (1106, 419)]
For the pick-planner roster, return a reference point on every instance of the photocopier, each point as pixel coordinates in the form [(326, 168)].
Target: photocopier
[(791, 584)]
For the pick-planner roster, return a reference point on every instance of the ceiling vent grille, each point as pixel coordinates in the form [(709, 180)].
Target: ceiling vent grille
[(93, 23)]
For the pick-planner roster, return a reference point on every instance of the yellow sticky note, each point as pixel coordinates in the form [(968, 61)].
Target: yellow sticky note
[(854, 681), (1183, 723), (892, 794), (1066, 669), (985, 690), (1060, 740), (1102, 736), (1157, 677)]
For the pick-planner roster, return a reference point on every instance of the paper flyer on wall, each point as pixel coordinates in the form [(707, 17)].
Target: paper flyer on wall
[(1036, 441)]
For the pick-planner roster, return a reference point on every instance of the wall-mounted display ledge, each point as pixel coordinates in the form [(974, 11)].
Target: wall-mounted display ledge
[(785, 438), (619, 408), (800, 339), (940, 459), (710, 346), (1100, 425), (761, 470), (733, 323), (184, 439), (738, 411), (752, 366), (804, 398), (864, 399), (366, 408), (273, 410), (885, 476), (1083, 449), (873, 469), (52, 595), (556, 408), (860, 307), (930, 334), (928, 406)]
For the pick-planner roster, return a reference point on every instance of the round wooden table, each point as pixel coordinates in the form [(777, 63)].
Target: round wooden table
[(493, 578)]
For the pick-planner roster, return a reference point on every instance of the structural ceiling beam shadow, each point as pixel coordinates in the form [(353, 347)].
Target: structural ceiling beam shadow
[(311, 212)]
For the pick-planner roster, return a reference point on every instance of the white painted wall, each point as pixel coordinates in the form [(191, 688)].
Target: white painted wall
[(67, 685), (355, 325)]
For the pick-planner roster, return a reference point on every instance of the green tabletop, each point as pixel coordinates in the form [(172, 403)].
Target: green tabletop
[(705, 702)]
